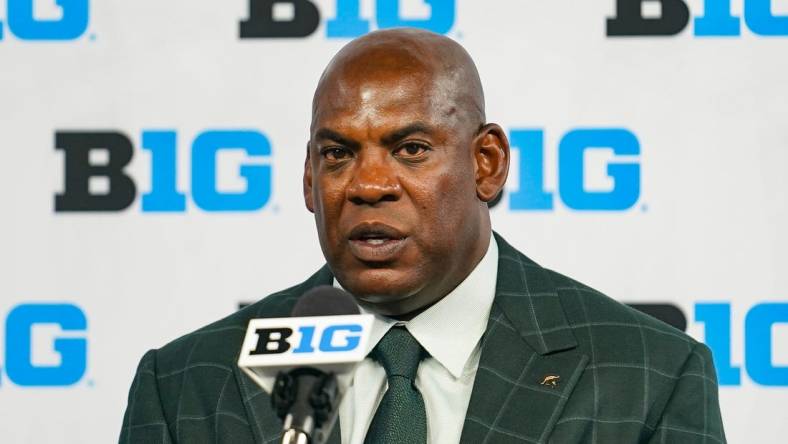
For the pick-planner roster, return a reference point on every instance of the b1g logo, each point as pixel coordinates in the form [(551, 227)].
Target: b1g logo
[(307, 340), (301, 18), (277, 340), (670, 17), (96, 178), (619, 177), (66, 19), (24, 365)]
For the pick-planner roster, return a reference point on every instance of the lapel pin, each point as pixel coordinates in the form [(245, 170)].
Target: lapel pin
[(550, 381)]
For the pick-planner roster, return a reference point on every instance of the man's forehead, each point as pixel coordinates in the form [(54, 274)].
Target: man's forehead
[(374, 75), (381, 108), (399, 70), (349, 93), (379, 85)]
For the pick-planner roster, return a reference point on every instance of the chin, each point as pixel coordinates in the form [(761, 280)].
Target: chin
[(380, 286)]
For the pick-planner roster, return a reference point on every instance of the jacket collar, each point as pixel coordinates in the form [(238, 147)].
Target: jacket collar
[(526, 295), (529, 364)]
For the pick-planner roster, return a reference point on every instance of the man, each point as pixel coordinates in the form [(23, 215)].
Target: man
[(472, 342)]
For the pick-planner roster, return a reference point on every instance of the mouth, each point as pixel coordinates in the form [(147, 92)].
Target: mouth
[(376, 242)]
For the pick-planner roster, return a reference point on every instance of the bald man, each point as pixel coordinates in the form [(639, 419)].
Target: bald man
[(472, 341)]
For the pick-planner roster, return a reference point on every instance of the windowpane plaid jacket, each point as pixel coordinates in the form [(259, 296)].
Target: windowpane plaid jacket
[(560, 363)]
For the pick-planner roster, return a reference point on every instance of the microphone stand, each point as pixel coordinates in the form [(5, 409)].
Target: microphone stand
[(306, 400), (293, 436)]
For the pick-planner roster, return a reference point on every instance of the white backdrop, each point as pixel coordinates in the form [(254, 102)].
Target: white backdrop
[(707, 227)]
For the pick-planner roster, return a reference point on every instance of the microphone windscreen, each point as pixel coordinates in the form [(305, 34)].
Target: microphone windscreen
[(325, 300)]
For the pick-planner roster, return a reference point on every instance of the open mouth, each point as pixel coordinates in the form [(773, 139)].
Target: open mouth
[(376, 238), (376, 242), (375, 233)]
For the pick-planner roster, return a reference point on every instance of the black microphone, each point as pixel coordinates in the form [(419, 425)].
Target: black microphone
[(325, 300), (313, 354), (306, 399)]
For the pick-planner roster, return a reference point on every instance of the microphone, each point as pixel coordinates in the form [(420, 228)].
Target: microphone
[(313, 355)]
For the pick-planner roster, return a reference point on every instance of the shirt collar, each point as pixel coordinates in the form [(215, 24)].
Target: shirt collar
[(451, 329)]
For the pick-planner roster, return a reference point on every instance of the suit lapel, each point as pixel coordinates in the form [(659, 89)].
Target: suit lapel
[(265, 425), (528, 367)]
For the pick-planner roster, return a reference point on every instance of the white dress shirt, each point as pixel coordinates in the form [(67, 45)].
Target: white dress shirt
[(450, 331)]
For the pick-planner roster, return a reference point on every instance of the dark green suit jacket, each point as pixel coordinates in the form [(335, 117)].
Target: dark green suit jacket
[(623, 377)]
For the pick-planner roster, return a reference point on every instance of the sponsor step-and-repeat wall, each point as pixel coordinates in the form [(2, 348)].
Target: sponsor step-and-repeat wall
[(152, 151)]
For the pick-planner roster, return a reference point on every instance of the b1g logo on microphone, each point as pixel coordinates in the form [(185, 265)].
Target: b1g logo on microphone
[(670, 17), (45, 345), (597, 169), (96, 179), (313, 340), (46, 19), (301, 18)]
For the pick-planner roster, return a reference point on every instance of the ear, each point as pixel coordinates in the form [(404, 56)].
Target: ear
[(308, 196), (491, 157)]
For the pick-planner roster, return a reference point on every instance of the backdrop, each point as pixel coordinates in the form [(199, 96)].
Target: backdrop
[(150, 175)]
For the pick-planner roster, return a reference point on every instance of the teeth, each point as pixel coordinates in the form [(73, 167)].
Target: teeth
[(375, 241)]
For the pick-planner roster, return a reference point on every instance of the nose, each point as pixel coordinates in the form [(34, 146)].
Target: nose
[(374, 179)]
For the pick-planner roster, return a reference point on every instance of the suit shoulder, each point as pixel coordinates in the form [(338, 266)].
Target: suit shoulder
[(218, 343), (603, 323), (636, 363)]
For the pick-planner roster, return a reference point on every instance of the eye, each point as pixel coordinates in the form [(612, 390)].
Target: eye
[(411, 150), (335, 153)]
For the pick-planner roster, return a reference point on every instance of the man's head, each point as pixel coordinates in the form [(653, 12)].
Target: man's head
[(400, 167)]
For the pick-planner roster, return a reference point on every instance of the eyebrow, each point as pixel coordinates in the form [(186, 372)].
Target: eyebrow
[(401, 133), (328, 134), (388, 139)]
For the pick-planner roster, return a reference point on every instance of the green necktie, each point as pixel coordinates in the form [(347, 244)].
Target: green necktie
[(401, 417)]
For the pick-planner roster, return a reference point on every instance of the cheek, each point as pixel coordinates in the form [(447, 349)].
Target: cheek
[(329, 197), (446, 206), (458, 202)]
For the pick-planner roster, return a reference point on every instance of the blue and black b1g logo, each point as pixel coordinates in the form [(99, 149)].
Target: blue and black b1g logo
[(278, 340), (287, 342), (101, 157), (670, 17), (23, 19), (301, 18)]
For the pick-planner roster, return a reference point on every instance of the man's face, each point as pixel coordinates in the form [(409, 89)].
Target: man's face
[(391, 179)]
